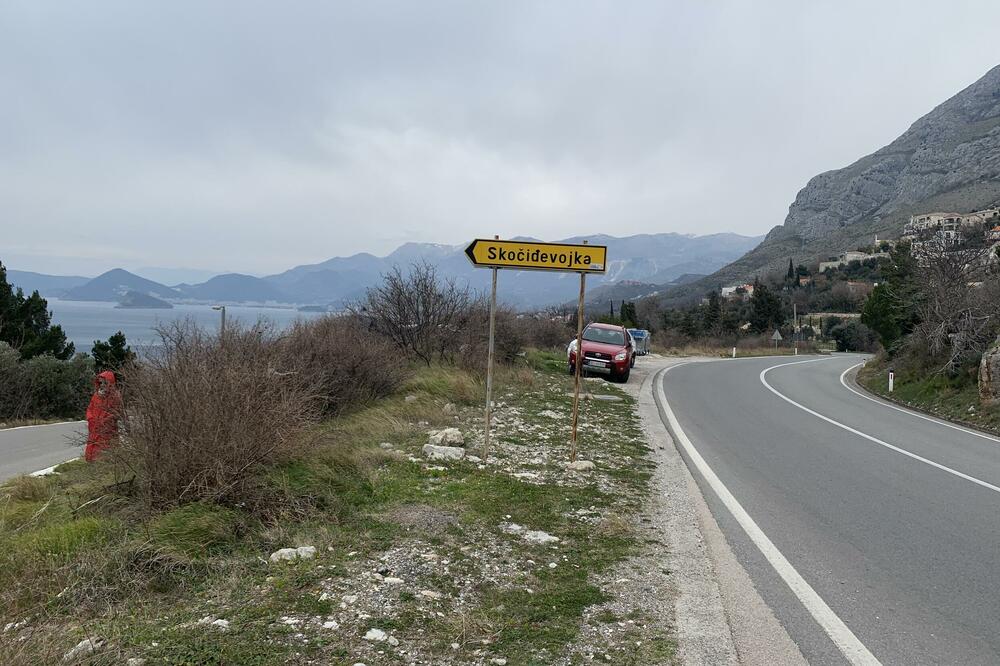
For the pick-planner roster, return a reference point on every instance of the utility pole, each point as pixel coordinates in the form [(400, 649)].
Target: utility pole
[(222, 325)]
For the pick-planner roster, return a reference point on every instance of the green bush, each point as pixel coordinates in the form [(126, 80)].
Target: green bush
[(43, 387), (853, 336)]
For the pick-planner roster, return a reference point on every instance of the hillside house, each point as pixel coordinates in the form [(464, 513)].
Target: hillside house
[(847, 257)]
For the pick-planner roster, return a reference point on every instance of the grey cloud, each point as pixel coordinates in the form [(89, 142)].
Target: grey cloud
[(259, 135)]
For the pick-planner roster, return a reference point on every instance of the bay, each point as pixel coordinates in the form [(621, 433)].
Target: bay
[(86, 321)]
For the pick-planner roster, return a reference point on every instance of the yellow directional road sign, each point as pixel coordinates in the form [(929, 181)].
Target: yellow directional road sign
[(537, 256)]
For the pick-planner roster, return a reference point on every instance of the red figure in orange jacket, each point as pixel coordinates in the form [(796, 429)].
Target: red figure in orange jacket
[(102, 415)]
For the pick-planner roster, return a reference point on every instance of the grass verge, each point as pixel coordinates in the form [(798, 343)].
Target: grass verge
[(952, 398), (450, 562)]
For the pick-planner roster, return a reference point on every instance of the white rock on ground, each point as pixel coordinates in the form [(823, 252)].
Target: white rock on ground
[(393, 641), (443, 452), (540, 538), (511, 528), (450, 408), (331, 625), (548, 413), (581, 466), (375, 635), (410, 398), (392, 580), (135, 661), (83, 648), (289, 554), (430, 594), (446, 437)]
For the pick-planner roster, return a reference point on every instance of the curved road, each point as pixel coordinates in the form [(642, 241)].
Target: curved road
[(873, 532), (32, 448)]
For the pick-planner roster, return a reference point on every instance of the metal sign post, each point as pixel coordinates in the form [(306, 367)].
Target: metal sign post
[(579, 366), (489, 364), (531, 255)]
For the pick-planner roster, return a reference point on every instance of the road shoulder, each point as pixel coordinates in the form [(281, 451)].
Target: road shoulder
[(721, 618)]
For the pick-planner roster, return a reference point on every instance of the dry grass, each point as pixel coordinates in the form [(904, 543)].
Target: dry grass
[(206, 414)]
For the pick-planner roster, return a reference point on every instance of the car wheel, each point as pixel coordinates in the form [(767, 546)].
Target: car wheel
[(632, 363), (572, 369), (622, 378)]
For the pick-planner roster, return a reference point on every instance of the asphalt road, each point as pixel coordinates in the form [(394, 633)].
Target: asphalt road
[(884, 526), (32, 448)]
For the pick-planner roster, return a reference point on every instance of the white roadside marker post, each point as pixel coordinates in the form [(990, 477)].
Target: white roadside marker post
[(892, 378)]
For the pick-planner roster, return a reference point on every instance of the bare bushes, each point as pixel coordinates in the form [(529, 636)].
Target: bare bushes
[(205, 413), (959, 306), (343, 362), (547, 331), (474, 336), (418, 311), (435, 319)]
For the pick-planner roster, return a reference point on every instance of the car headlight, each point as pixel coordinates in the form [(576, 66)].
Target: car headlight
[(620, 356)]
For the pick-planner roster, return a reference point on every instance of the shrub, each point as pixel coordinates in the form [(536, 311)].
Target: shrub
[(473, 336), (854, 336), (43, 387), (204, 414), (546, 332), (347, 364)]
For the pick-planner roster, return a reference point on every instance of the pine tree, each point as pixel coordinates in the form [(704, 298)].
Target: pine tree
[(628, 314), (112, 355), (26, 323), (790, 275)]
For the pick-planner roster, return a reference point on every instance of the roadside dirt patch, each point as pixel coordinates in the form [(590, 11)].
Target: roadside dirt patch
[(422, 518)]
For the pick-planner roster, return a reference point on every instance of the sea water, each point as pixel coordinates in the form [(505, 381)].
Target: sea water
[(87, 321)]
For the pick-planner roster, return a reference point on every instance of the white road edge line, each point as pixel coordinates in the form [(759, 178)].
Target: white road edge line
[(968, 431), (51, 470), (865, 435), (41, 425), (853, 649)]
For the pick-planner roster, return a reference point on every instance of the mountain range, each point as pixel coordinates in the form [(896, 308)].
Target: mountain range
[(637, 265), (948, 160)]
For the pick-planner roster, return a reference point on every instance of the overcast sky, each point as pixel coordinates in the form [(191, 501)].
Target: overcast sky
[(252, 136)]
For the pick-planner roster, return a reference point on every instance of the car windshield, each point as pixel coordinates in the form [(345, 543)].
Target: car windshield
[(608, 336)]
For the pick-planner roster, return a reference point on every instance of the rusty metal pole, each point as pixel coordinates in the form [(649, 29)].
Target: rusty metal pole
[(489, 364), (579, 365)]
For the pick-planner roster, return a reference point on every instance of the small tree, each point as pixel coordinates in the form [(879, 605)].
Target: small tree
[(712, 320), (418, 311), (765, 309), (628, 314), (112, 355)]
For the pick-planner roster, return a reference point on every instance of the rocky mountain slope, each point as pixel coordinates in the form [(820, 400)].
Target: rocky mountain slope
[(654, 259), (947, 160)]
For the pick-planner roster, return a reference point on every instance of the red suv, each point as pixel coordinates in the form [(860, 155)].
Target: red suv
[(607, 349)]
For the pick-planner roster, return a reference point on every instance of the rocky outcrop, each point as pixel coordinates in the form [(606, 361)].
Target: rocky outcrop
[(947, 160), (989, 376)]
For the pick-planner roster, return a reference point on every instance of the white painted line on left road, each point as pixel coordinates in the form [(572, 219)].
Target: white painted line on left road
[(40, 425), (968, 431), (51, 470), (876, 440), (849, 645)]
